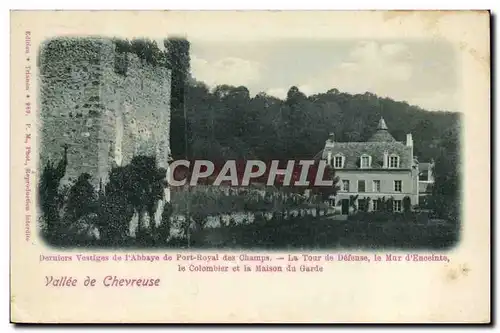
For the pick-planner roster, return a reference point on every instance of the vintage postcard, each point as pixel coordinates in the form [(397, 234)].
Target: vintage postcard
[(250, 167)]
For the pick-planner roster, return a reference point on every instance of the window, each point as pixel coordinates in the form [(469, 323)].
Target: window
[(393, 161), (375, 205), (361, 204), (338, 161), (361, 186), (345, 185), (398, 186), (365, 161), (332, 202), (396, 205), (423, 176), (376, 186)]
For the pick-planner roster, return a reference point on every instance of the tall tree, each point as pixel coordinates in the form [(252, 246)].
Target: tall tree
[(445, 198), (295, 115), (228, 123), (178, 61), (49, 194)]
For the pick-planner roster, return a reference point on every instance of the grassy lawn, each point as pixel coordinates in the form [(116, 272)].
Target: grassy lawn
[(359, 232), (401, 232)]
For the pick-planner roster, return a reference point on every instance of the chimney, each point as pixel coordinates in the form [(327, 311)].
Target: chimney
[(331, 137), (386, 157), (409, 140), (329, 158)]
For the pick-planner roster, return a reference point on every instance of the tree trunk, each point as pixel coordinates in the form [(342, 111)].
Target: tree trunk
[(151, 212), (135, 221), (160, 206)]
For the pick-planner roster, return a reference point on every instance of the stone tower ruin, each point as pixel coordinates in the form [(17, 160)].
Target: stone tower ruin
[(106, 104), (105, 115)]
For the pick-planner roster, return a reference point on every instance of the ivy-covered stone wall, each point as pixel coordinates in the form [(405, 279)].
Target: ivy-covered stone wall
[(106, 104)]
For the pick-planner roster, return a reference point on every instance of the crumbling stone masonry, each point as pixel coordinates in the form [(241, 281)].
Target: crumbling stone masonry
[(108, 106)]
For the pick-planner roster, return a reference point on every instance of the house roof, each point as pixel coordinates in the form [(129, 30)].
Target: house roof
[(424, 166), (381, 142), (381, 124), (382, 134), (424, 187), (352, 152)]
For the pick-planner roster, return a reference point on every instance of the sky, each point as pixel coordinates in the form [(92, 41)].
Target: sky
[(420, 72)]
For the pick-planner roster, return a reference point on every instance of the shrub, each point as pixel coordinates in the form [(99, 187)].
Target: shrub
[(364, 204), (352, 202), (381, 216), (166, 223), (50, 198), (389, 205), (407, 204)]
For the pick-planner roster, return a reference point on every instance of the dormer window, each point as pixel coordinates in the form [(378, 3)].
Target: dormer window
[(393, 161), (338, 161), (423, 176), (366, 161)]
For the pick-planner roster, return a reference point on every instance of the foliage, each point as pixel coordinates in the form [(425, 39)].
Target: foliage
[(50, 198), (166, 223), (364, 204), (445, 198), (389, 217), (406, 204), (147, 50), (141, 184), (361, 231), (203, 201), (389, 205), (353, 202), (226, 122), (380, 216), (134, 189), (82, 199), (177, 59)]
